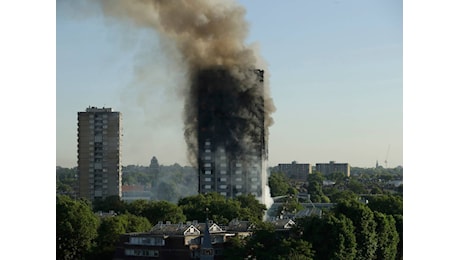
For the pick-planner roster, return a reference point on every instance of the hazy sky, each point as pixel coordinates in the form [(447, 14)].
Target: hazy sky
[(334, 69)]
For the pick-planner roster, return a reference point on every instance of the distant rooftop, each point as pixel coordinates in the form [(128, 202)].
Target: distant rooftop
[(96, 109)]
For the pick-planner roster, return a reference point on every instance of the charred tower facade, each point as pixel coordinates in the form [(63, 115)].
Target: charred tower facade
[(231, 135)]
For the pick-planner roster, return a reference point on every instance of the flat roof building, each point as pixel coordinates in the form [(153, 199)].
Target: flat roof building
[(332, 166), (295, 171), (99, 156)]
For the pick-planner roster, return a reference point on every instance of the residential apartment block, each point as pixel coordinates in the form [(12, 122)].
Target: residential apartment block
[(231, 137), (295, 171), (332, 166), (99, 156)]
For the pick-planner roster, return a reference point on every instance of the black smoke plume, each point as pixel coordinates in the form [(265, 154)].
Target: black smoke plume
[(224, 74)]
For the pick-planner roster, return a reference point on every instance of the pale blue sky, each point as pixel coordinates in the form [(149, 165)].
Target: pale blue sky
[(335, 74)]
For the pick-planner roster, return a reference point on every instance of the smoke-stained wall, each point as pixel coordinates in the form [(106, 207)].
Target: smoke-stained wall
[(231, 132), (230, 111)]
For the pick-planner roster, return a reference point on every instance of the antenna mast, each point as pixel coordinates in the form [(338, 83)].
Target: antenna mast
[(386, 157)]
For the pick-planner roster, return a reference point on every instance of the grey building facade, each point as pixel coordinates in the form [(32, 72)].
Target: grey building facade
[(332, 166), (295, 171)]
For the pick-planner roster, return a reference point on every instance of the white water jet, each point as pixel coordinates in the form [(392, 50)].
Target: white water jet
[(266, 198)]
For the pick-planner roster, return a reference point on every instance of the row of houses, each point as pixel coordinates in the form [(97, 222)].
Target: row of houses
[(190, 240)]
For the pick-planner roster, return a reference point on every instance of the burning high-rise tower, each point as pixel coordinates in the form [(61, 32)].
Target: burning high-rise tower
[(231, 135), (227, 106)]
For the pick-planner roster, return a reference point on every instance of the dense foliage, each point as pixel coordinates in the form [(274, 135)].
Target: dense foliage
[(221, 209), (76, 228), (111, 228), (362, 218), (66, 181), (387, 236), (267, 243), (365, 223), (350, 231), (391, 206), (279, 184), (156, 211), (332, 237), (315, 188)]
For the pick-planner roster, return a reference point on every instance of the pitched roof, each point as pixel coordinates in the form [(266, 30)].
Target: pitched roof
[(283, 223), (309, 212), (184, 229), (170, 229), (239, 225)]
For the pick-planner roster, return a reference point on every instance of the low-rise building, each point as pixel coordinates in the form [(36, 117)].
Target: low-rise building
[(180, 241), (331, 167), (135, 192), (295, 171), (190, 240)]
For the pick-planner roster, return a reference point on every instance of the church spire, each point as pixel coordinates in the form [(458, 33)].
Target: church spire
[(207, 251)]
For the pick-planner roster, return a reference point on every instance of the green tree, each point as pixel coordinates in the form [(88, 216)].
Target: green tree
[(387, 204), (76, 228), (108, 236), (194, 206), (110, 203), (295, 249), (156, 211), (399, 228), (66, 181), (365, 227), (278, 184), (356, 186), (341, 195), (66, 175), (154, 167), (337, 177), (315, 188), (223, 211), (250, 209), (136, 223), (266, 243), (110, 230), (332, 237), (263, 241), (220, 209), (387, 236), (375, 189), (235, 249), (65, 189)]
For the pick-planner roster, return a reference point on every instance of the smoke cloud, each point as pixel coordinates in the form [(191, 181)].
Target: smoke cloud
[(223, 72)]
